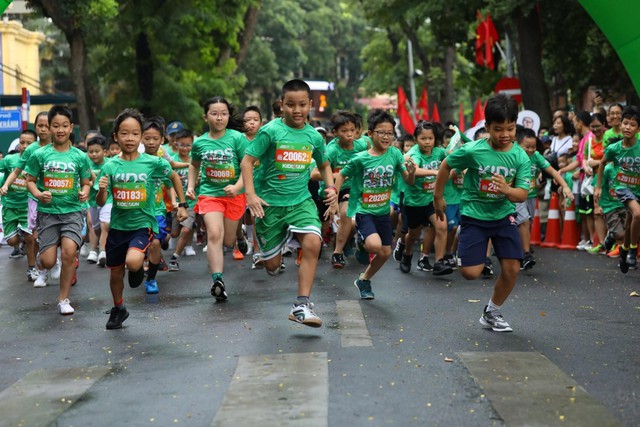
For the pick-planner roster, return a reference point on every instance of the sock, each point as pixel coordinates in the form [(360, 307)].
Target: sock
[(492, 306), (153, 270), (632, 246), (301, 300), (216, 276), (249, 229), (175, 256), (119, 304), (624, 247), (31, 266)]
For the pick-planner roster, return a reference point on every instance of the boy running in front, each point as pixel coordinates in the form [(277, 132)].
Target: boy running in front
[(498, 175), (284, 208)]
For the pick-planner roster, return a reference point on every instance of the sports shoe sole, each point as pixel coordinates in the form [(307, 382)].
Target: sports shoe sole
[(490, 326), (219, 292), (314, 323)]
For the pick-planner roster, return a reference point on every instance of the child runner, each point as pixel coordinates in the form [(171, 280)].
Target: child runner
[(284, 207), (252, 118), (625, 155), (216, 156), (14, 206), (100, 215), (418, 200), (58, 175), (372, 173), (131, 179), (498, 175)]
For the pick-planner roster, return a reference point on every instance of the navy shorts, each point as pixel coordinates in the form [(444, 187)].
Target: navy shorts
[(474, 239), (367, 224), (418, 216), (163, 228), (120, 241)]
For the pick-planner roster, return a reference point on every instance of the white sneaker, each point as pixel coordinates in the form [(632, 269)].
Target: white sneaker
[(55, 271), (102, 258), (64, 307), (581, 244), (92, 258), (41, 281), (250, 248), (304, 314), (85, 250), (32, 274), (188, 251), (588, 246), (204, 249)]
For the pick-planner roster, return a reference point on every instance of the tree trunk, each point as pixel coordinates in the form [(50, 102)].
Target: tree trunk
[(535, 94), (245, 36), (144, 71), (78, 74), (448, 108)]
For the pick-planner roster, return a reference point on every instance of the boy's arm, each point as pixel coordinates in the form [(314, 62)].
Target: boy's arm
[(409, 174), (43, 196), (560, 180), (177, 186), (330, 191), (439, 203), (192, 176), (101, 195), (7, 182), (597, 190), (316, 176), (85, 184), (254, 203)]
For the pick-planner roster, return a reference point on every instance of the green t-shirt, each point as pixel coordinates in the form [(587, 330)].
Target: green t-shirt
[(96, 168), (608, 200), (61, 173), (627, 160), (480, 198), (610, 137), (285, 155), (183, 173), (16, 197), (338, 158), (133, 185), (421, 192), (372, 181), (219, 161), (26, 154), (453, 189), (538, 163)]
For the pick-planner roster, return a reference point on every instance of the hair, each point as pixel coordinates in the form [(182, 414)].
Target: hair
[(276, 108), (479, 131), (584, 117), (154, 122), (426, 125), (358, 120), (235, 122), (501, 108), (526, 133), (342, 118), (89, 132), (59, 110), (379, 116), (254, 108), (631, 112), (110, 142), (97, 140), (599, 117), (566, 124), (296, 85), (40, 114), (30, 132), (184, 133), (127, 113), (616, 105)]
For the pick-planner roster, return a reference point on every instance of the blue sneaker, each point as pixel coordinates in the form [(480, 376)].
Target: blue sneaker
[(364, 286), (151, 286)]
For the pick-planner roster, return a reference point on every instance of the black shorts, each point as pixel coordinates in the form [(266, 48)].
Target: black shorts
[(343, 196), (367, 224), (418, 216), (586, 205), (474, 239), (120, 241)]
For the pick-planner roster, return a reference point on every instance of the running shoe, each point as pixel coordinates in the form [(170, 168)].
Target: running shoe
[(424, 264), (494, 320), (337, 260), (116, 317), (442, 268), (364, 286), (304, 314), (64, 307), (218, 290), (151, 287)]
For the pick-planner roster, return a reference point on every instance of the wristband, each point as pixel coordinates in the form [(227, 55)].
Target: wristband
[(331, 187), (183, 205)]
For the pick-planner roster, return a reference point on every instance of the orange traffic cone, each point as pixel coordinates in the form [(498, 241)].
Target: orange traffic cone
[(552, 237), (535, 227), (570, 229)]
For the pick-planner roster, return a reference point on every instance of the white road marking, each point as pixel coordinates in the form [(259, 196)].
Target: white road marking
[(353, 327)]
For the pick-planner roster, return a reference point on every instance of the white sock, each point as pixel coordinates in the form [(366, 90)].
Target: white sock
[(492, 306), (249, 229)]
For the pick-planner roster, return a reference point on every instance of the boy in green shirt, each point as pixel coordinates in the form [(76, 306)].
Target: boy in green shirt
[(498, 175), (625, 155), (372, 173), (58, 176), (285, 148), (100, 215)]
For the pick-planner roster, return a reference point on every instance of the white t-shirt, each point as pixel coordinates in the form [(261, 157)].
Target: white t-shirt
[(561, 146)]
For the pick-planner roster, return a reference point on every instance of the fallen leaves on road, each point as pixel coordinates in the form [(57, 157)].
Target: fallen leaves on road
[(634, 294)]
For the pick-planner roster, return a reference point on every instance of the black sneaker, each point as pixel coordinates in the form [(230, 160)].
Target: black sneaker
[(609, 241), (424, 264), (243, 245), (622, 264), (162, 266), (405, 263), (398, 251), (451, 261), (527, 262), (441, 268), (632, 257), (15, 253), (174, 265), (136, 278), (494, 320), (337, 260), (165, 245), (117, 316), (218, 290), (487, 271)]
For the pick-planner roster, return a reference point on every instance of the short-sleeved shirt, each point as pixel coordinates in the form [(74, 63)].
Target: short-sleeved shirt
[(453, 189), (133, 185), (610, 137), (219, 161), (538, 163), (96, 168), (285, 154), (183, 173), (627, 160), (421, 192), (26, 154), (338, 158), (480, 198), (16, 197), (61, 173), (608, 200), (372, 181)]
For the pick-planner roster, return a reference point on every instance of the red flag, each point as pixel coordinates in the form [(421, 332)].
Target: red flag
[(422, 110), (478, 113), (435, 114), (461, 124), (406, 121), (486, 38)]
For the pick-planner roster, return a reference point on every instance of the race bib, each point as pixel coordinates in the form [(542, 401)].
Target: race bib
[(59, 183), (628, 179), (130, 195), (488, 189), (19, 185), (375, 197), (293, 157), (459, 182), (429, 185), (220, 173)]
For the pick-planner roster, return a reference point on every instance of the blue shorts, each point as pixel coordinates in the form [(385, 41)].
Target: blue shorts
[(163, 228), (625, 195), (453, 216), (367, 224), (395, 207), (120, 241), (474, 239)]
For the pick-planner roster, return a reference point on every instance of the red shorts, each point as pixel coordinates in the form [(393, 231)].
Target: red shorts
[(232, 207)]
